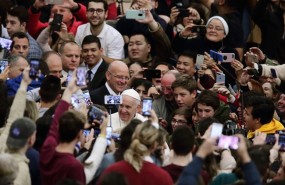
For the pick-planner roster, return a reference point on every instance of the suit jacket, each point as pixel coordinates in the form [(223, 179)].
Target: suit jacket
[(97, 97), (99, 78)]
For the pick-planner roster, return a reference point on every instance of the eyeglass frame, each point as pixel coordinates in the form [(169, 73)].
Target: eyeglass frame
[(120, 77), (175, 121), (211, 27), (93, 10)]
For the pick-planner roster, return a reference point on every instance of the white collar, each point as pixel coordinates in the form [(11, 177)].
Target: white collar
[(110, 89)]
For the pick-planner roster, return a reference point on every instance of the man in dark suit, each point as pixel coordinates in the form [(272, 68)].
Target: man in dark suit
[(117, 77), (97, 67)]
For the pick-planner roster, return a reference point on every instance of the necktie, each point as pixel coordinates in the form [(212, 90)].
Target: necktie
[(89, 73)]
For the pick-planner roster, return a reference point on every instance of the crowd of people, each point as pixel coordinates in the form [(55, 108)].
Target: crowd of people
[(164, 92)]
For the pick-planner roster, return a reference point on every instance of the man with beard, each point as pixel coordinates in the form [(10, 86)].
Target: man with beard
[(111, 40)]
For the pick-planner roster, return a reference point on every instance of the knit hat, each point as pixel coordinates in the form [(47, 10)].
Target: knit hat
[(132, 93), (225, 24), (19, 133)]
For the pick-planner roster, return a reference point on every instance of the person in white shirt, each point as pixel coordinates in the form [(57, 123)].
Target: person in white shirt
[(127, 111), (111, 40)]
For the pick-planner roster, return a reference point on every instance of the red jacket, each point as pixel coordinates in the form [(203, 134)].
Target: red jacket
[(35, 26)]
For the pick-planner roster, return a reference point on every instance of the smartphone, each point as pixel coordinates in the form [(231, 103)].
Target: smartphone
[(5, 43), (199, 61), (56, 22), (270, 139), (252, 72), (109, 135), (151, 73), (81, 76), (135, 14), (183, 12), (251, 58), (217, 129), (34, 68), (228, 142), (147, 106), (86, 133), (112, 100), (87, 98), (273, 73), (282, 142), (216, 56), (75, 102), (220, 77), (3, 65), (228, 57), (95, 113), (54, 1), (198, 29)]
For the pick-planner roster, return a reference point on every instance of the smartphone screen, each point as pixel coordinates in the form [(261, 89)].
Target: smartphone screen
[(95, 113), (86, 132), (217, 129), (5, 43), (147, 106), (252, 58), (282, 142), (270, 139), (81, 76), (87, 98), (199, 61), (109, 135), (228, 142), (220, 78), (3, 65), (34, 68), (273, 73), (112, 100)]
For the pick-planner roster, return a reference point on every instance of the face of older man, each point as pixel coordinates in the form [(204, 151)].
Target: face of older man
[(128, 108)]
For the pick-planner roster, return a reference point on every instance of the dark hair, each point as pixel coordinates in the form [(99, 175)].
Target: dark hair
[(105, 4), (140, 81), (186, 112), (50, 88), (43, 126), (209, 98), (89, 39), (20, 12), (19, 35), (170, 67), (4, 108), (70, 124), (182, 140), (143, 33), (4, 7), (189, 54), (205, 123), (262, 108), (259, 154), (126, 139), (186, 82)]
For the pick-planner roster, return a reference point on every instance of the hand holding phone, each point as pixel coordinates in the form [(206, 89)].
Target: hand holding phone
[(135, 14), (3, 65), (56, 22), (151, 73), (81, 76), (147, 106), (220, 77), (217, 129), (34, 68), (199, 61), (228, 142)]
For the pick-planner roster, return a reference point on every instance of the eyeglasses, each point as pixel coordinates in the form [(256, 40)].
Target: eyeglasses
[(179, 121), (120, 77), (93, 10), (217, 28)]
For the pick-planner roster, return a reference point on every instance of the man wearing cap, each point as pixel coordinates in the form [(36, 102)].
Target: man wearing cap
[(127, 111), (19, 133)]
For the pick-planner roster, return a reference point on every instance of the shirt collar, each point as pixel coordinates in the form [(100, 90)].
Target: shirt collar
[(95, 68), (110, 89)]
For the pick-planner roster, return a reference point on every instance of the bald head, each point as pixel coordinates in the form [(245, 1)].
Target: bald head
[(117, 76)]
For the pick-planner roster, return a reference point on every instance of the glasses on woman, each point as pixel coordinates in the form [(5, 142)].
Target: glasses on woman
[(217, 28)]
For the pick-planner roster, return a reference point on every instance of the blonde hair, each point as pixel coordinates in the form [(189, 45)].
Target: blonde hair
[(144, 139), (31, 110), (8, 169)]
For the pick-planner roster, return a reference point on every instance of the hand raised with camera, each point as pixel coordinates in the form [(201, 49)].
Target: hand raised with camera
[(259, 138), (71, 88), (257, 52), (187, 31), (4, 74), (242, 149), (237, 65), (207, 147), (173, 16)]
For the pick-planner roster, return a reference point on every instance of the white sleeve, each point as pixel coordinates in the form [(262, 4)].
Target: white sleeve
[(43, 40), (92, 163), (115, 49)]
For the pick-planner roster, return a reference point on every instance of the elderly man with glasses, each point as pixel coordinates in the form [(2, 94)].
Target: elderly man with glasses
[(111, 40), (117, 77)]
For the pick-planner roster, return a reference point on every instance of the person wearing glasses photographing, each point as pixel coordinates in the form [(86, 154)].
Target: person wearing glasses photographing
[(111, 40)]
